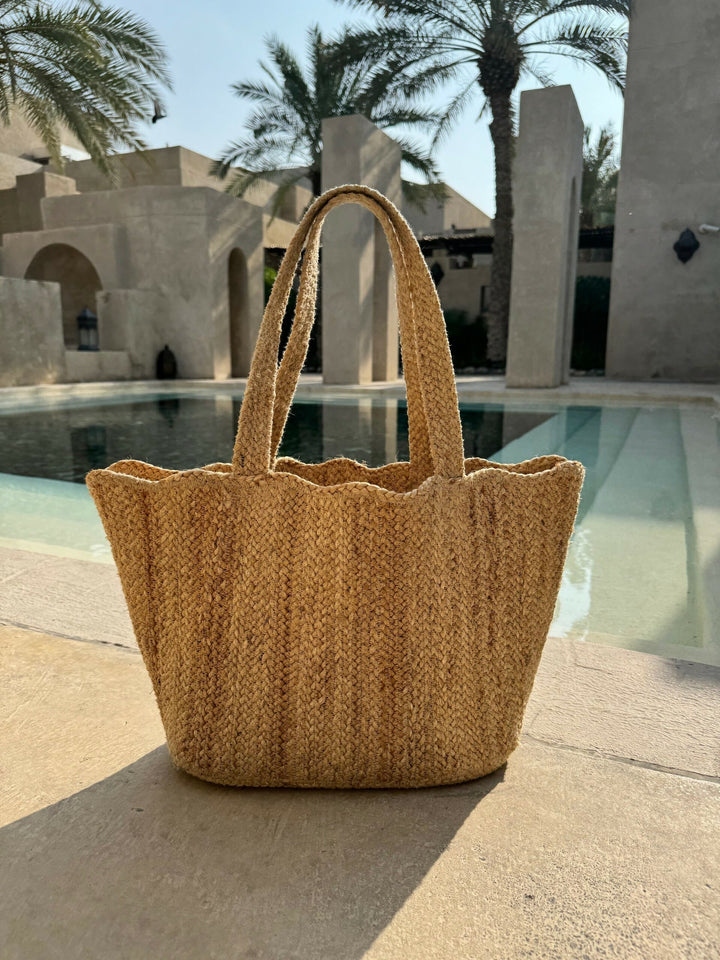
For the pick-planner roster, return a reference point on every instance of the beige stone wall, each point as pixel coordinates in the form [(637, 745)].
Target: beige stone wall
[(12, 167), (19, 139), (461, 289), (160, 168), (589, 269), (162, 256), (9, 212), (176, 167), (236, 225), (278, 232), (296, 202), (455, 212), (78, 279), (20, 204), (134, 322), (665, 316), (33, 188), (91, 366), (100, 243), (31, 339), (174, 241)]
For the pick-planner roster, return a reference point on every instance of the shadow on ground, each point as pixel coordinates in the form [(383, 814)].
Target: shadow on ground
[(151, 863)]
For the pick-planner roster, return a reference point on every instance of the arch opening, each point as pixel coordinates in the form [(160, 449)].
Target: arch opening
[(78, 279)]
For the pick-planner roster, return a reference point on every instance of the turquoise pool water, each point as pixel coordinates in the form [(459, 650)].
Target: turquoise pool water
[(642, 566)]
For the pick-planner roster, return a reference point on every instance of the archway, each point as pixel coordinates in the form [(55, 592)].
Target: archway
[(78, 279), (239, 322)]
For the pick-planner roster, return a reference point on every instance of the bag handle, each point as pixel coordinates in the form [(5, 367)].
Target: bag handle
[(298, 341), (426, 353), (297, 345)]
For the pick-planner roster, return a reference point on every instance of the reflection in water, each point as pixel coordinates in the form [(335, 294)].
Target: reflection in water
[(89, 447), (169, 408), (185, 432)]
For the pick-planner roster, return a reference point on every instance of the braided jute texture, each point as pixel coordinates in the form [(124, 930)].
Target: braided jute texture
[(335, 625)]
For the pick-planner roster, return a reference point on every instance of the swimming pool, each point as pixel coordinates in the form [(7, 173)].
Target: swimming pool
[(641, 566)]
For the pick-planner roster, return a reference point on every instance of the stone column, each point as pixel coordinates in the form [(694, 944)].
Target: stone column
[(360, 329), (663, 312), (547, 184)]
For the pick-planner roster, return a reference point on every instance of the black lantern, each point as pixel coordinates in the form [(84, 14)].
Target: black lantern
[(686, 246), (87, 330)]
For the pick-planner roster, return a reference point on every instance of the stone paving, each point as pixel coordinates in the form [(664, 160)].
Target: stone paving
[(598, 839)]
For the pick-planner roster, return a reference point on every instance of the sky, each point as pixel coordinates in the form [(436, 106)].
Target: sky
[(217, 42)]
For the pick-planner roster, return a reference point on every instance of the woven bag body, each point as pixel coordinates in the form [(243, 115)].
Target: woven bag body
[(333, 625)]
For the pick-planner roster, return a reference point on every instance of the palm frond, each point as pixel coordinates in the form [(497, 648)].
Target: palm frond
[(342, 77), (454, 109), (419, 194), (543, 9), (601, 45), (93, 69)]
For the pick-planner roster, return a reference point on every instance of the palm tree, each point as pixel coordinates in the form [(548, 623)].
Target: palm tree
[(600, 179), (283, 137), (490, 45), (94, 69)]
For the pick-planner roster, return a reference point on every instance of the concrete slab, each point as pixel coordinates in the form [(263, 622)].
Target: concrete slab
[(61, 595), (70, 714), (626, 705), (107, 851)]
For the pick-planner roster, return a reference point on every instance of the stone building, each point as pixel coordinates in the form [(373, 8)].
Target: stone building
[(164, 256)]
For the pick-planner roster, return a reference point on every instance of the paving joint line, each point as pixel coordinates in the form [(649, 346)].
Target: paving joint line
[(629, 761), (67, 636)]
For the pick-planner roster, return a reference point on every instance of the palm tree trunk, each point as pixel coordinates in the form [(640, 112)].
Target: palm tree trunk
[(501, 131)]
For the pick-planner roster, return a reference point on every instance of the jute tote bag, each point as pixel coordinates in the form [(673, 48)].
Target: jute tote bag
[(335, 625)]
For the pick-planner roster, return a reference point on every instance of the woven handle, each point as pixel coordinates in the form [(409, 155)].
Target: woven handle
[(432, 398), (297, 345), (296, 348)]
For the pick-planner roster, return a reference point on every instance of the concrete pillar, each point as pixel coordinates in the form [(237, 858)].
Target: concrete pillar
[(360, 330), (663, 313), (547, 184)]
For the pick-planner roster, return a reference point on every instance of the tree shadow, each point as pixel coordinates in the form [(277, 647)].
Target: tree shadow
[(151, 863)]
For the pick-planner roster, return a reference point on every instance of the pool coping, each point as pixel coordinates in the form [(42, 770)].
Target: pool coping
[(580, 390)]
